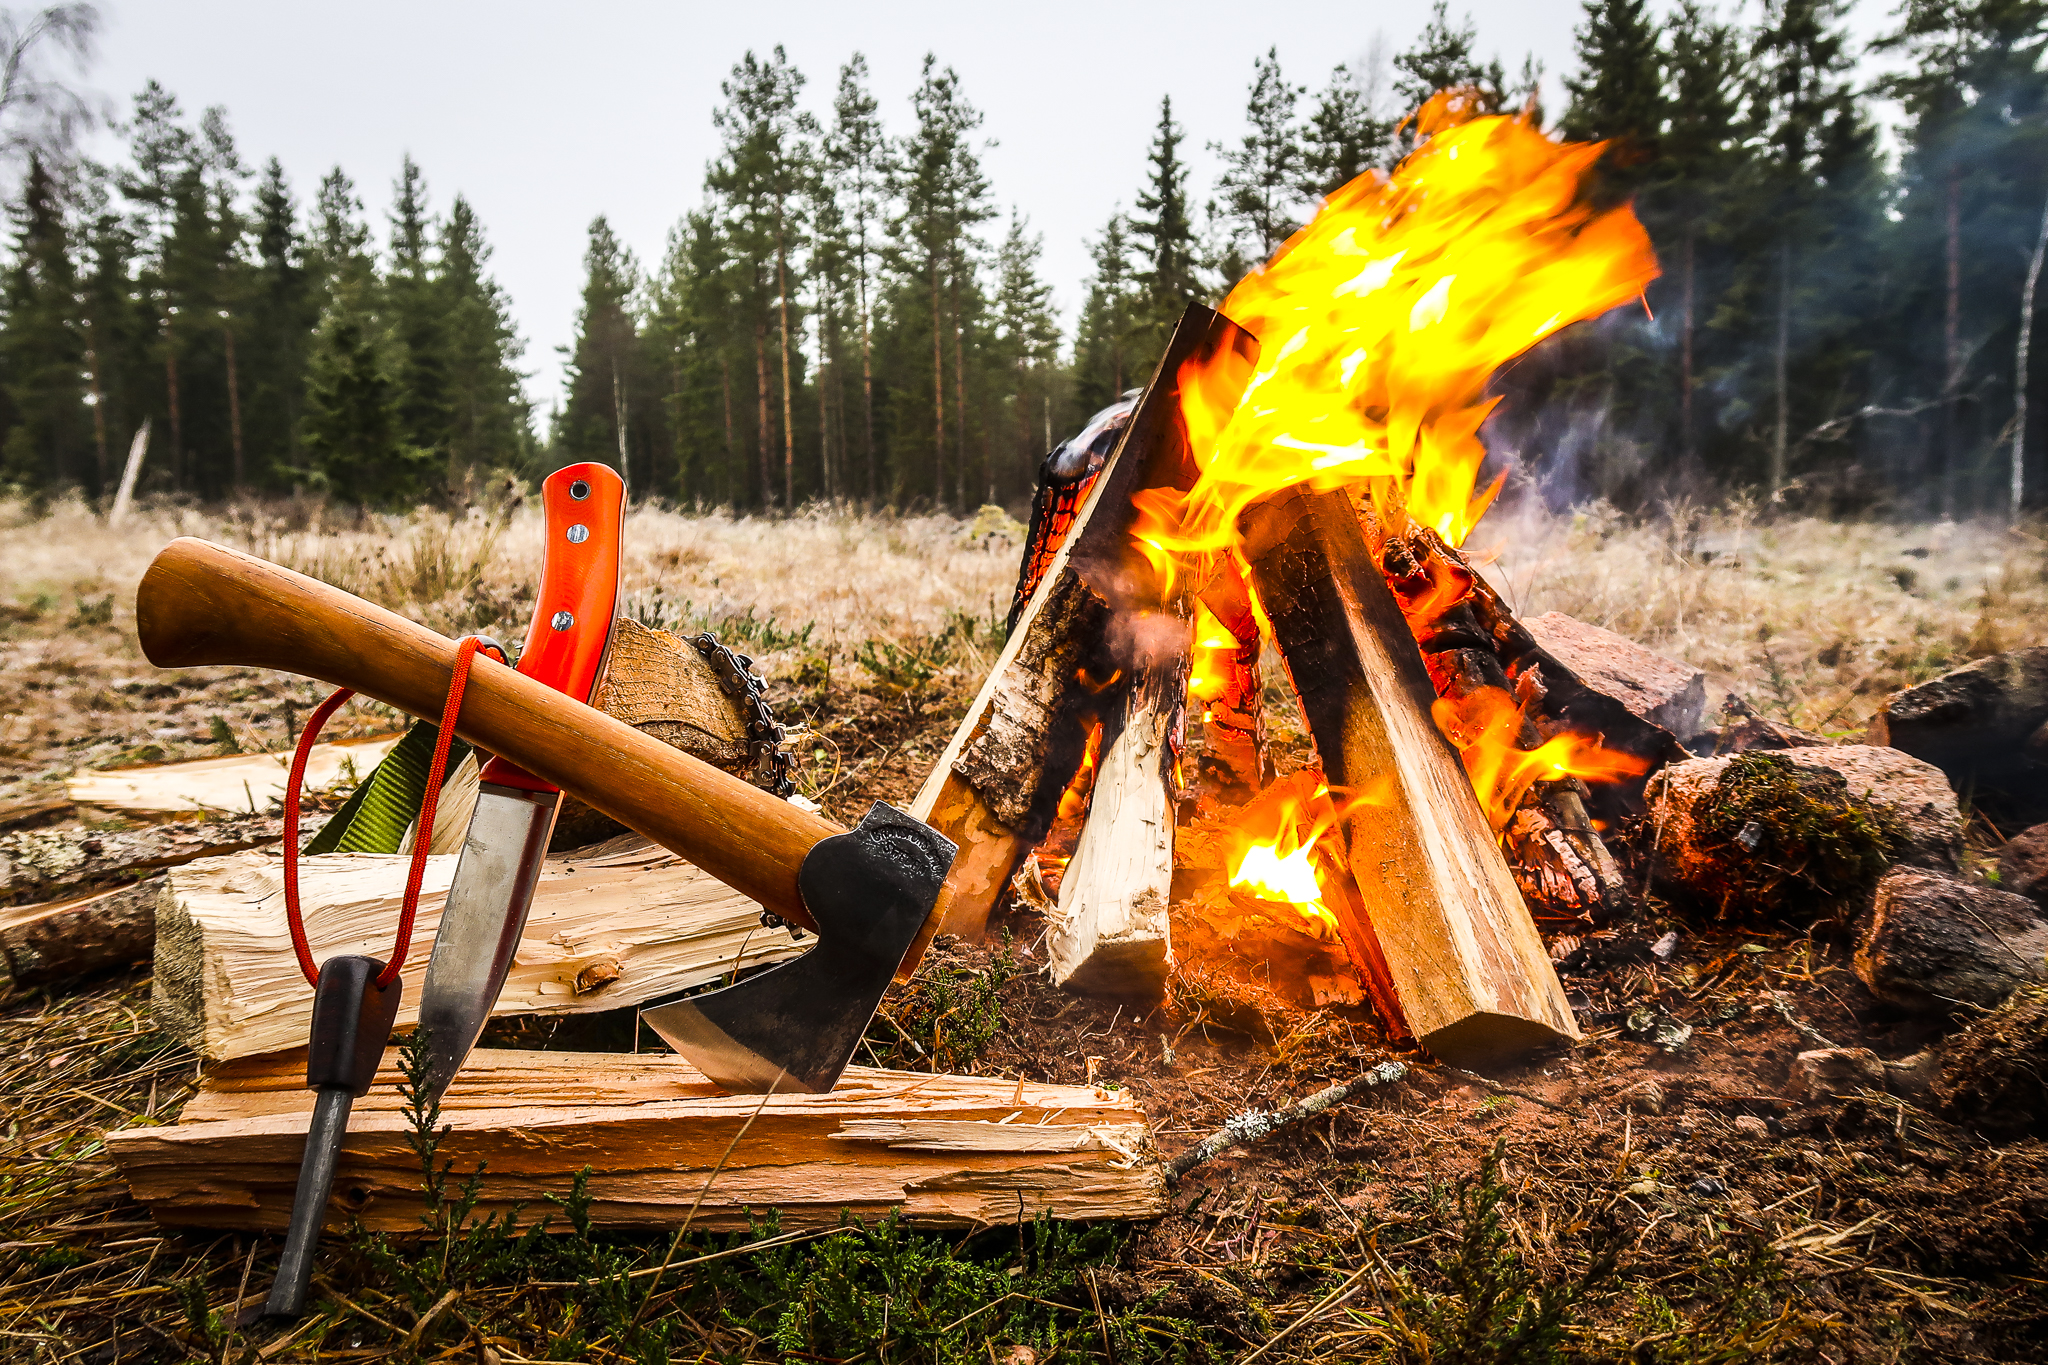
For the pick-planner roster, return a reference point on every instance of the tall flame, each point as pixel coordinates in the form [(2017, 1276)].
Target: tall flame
[(1381, 321)]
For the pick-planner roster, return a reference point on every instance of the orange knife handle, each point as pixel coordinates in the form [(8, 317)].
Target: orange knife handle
[(202, 603), (585, 506)]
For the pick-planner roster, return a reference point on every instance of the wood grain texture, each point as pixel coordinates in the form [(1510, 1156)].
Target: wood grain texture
[(944, 1151), (609, 927), (246, 784), (201, 603), (1111, 936), (1440, 909), (660, 685)]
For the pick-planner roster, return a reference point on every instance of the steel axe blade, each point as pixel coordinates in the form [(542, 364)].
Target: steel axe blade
[(795, 1026)]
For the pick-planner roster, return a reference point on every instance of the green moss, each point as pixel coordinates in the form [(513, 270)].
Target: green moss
[(1814, 847)]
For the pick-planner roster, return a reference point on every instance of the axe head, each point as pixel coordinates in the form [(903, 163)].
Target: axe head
[(794, 1027)]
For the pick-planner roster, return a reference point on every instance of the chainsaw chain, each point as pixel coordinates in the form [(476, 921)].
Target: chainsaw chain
[(770, 766)]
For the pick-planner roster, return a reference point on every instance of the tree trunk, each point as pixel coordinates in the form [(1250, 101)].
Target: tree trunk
[(938, 393), (788, 425), (761, 387), (2021, 377), (234, 407), (619, 422), (731, 438), (867, 390), (1686, 452), (675, 431), (827, 473), (960, 392), (177, 422), (1952, 342), (99, 420), (1782, 360)]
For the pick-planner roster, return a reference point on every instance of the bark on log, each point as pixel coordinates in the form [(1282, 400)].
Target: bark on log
[(996, 787), (52, 864), (1110, 935), (942, 1151), (1444, 926), (42, 944), (611, 926)]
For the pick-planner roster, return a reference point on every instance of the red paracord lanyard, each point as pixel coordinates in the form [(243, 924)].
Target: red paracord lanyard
[(465, 653)]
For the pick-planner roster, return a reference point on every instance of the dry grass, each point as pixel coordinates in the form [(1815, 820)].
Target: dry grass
[(1812, 622)]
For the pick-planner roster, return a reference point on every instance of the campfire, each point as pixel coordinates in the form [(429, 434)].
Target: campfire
[(1303, 472)]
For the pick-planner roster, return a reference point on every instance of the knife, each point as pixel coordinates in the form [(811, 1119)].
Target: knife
[(515, 811)]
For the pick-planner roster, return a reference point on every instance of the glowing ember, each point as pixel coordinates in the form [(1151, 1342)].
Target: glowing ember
[(1276, 854), (1382, 320), (1215, 654)]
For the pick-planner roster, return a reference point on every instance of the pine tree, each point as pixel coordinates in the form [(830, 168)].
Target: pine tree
[(1344, 138), (281, 315), (860, 166), (41, 353), (1261, 179), (352, 428), (1165, 235), (1102, 343), (1027, 342), (1618, 92), (595, 421), (1444, 58), (487, 412), (414, 314)]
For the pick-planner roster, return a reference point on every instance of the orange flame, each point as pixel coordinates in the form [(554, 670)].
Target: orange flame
[(1485, 728), (1278, 854), (1381, 322), (1213, 658)]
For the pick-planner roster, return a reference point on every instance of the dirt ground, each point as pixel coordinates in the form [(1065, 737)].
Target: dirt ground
[(1647, 1195)]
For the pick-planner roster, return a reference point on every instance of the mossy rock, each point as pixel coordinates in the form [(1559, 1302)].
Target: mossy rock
[(1763, 833), (1994, 1074)]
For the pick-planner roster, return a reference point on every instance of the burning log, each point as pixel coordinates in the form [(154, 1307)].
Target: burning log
[(1111, 935), (611, 926), (659, 1140), (1068, 661), (1444, 941), (1234, 761), (1558, 859)]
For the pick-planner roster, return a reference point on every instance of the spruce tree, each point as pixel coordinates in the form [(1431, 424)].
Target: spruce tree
[(488, 418), (282, 314), (41, 352), (1446, 58), (1109, 318), (1027, 342), (860, 167), (1618, 91), (1344, 137), (601, 361), (1261, 180), (1165, 233), (414, 315)]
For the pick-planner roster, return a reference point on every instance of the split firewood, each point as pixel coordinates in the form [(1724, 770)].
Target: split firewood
[(1110, 934), (1563, 867), (659, 1141), (246, 784), (996, 788), (61, 941), (610, 926), (1440, 932)]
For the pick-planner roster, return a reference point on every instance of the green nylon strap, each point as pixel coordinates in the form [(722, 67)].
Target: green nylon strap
[(376, 815)]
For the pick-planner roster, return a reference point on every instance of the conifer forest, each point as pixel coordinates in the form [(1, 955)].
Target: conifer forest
[(851, 310)]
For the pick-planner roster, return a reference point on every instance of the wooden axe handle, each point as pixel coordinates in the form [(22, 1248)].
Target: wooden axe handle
[(202, 603)]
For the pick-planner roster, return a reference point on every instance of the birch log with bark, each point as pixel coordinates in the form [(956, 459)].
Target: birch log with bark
[(1443, 923), (658, 1141)]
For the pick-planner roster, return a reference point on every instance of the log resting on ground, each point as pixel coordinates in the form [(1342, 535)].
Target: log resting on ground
[(942, 1151), (1445, 932)]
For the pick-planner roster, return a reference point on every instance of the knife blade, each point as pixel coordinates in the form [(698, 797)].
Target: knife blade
[(515, 811)]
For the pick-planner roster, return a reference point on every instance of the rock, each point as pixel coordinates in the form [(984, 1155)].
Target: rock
[(1836, 1071), (1749, 1125), (1934, 943), (1913, 1077), (1986, 726), (1661, 691), (2023, 865), (1802, 831), (1707, 1187), (1644, 1097), (1994, 1074)]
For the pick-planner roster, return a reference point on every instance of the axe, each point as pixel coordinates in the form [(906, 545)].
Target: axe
[(871, 894)]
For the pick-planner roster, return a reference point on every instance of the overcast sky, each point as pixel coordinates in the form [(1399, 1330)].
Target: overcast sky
[(545, 115)]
